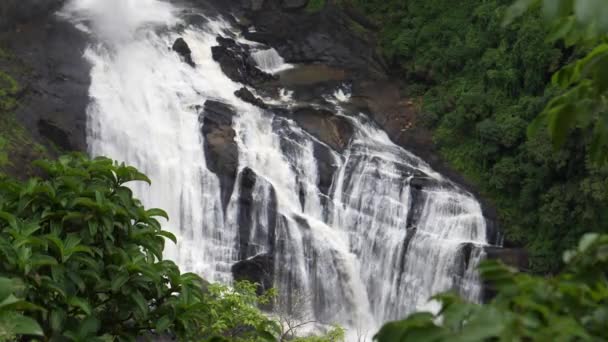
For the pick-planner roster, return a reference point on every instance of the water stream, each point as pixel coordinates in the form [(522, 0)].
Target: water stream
[(375, 247)]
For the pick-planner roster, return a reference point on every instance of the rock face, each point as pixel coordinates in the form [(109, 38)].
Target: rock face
[(329, 37), (333, 130), (515, 257), (258, 269), (221, 150), (47, 63), (235, 61), (247, 218), (181, 47), (13, 12), (247, 96)]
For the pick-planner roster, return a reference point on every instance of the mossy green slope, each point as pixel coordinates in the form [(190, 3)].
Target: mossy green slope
[(17, 147)]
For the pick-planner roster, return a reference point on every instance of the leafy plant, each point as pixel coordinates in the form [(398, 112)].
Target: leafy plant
[(12, 320), (234, 313), (572, 306), (90, 254), (584, 82)]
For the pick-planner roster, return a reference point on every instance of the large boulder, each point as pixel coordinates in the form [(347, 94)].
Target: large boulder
[(181, 47), (258, 269), (335, 131), (250, 217), (221, 149), (247, 96), (236, 62)]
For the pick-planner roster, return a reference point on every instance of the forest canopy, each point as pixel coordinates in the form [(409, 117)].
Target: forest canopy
[(482, 73)]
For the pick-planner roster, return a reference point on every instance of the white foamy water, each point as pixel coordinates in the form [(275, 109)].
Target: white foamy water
[(375, 247), (270, 61)]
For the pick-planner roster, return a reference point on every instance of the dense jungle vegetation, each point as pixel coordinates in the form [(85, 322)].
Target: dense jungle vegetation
[(573, 305), (479, 84)]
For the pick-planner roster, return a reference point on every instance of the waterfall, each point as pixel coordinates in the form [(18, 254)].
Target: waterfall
[(270, 61), (387, 233)]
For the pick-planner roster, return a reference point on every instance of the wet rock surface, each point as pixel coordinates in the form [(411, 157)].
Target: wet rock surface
[(333, 130), (247, 96), (258, 269), (247, 219), (181, 47), (329, 36), (221, 150), (236, 62)]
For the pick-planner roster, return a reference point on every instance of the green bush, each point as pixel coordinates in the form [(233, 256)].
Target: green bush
[(12, 321), (90, 254)]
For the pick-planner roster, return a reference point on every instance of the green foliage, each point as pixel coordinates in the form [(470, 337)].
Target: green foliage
[(584, 82), (91, 255), (315, 6), (8, 90), (481, 84), (233, 313), (17, 147), (335, 334), (572, 306), (12, 320)]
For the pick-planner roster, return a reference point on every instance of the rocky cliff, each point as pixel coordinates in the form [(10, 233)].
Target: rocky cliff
[(43, 55)]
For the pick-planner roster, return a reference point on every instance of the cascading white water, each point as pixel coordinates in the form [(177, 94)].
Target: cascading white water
[(270, 61), (375, 248)]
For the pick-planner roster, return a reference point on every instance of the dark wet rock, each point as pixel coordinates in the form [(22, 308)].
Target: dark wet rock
[(258, 269), (13, 12), (294, 4), (55, 134), (328, 37), (236, 62), (417, 201), (219, 112), (326, 169), (181, 47), (333, 130), (247, 96), (421, 182), (249, 217), (516, 257), (221, 150), (465, 255)]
